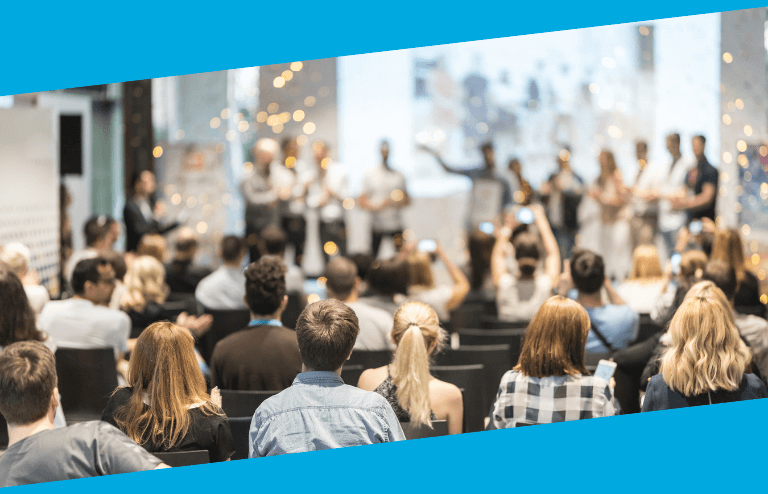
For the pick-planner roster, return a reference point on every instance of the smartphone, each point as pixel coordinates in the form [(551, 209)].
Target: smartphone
[(675, 261), (695, 227), (605, 369), (487, 227), (524, 216), (427, 245)]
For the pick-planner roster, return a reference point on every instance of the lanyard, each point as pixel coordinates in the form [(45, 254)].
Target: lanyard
[(265, 322)]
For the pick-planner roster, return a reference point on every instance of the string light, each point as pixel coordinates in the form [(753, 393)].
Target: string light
[(727, 158), (748, 130), (290, 162), (296, 66), (243, 126), (202, 227), (273, 107), (231, 134), (309, 101), (644, 31), (157, 152), (739, 103), (279, 82), (309, 128), (215, 122), (741, 146), (727, 57), (331, 248), (348, 203), (225, 113), (191, 201), (261, 117), (287, 75), (726, 119), (277, 128), (298, 115)]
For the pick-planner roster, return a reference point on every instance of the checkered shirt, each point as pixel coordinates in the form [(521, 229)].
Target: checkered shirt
[(533, 400)]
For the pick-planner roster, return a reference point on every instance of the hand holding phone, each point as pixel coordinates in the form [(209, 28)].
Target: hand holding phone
[(525, 216), (428, 245), (605, 369)]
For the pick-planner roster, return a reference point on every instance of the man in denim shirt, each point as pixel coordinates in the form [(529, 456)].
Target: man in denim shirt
[(319, 411)]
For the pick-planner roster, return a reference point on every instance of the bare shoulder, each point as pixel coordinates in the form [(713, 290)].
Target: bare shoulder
[(371, 378), (443, 391)]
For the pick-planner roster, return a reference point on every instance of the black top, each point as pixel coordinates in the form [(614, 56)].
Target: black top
[(748, 296), (208, 432), (660, 396), (152, 313), (704, 173), (136, 225), (388, 390), (183, 276)]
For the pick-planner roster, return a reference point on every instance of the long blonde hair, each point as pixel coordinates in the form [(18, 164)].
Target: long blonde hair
[(418, 336), (144, 282), (645, 264), (420, 271), (729, 247), (164, 367), (706, 351)]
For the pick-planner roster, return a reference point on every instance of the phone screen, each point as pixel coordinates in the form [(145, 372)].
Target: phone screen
[(487, 227), (675, 261), (605, 370), (695, 227), (427, 245), (524, 216)]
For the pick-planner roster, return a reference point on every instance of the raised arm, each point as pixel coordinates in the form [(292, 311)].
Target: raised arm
[(460, 282), (613, 296), (498, 264), (552, 251), (439, 159)]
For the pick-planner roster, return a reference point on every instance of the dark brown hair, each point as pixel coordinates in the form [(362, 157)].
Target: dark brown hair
[(341, 275), (27, 380), (389, 277), (327, 331), (265, 285), (17, 319), (480, 250), (232, 247), (273, 241), (587, 271), (555, 340)]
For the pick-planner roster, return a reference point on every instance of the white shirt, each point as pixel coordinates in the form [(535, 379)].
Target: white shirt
[(520, 300), (290, 183), (38, 296), (651, 178), (378, 185), (336, 181), (641, 296), (375, 327), (79, 323), (437, 298), (672, 220), (223, 289)]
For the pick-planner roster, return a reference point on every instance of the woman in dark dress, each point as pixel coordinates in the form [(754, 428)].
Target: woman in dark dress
[(165, 406)]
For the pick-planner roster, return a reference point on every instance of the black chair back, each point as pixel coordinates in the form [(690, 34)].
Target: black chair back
[(467, 315), (648, 328), (184, 458), (86, 380), (439, 428), (243, 403), (171, 310), (293, 310), (351, 374), (3, 432), (494, 323), (240, 427), (225, 322), (471, 380), (370, 359), (511, 337)]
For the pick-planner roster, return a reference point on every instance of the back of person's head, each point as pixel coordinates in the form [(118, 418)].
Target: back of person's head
[(152, 245), (389, 277), (87, 270), (728, 246), (27, 382), (163, 367), (17, 319), (232, 249), (363, 262), (420, 270), (723, 276), (341, 278), (706, 351), (17, 257), (587, 271), (96, 229), (265, 285), (692, 264), (418, 336), (327, 331), (645, 263), (480, 246), (555, 340), (186, 244), (144, 282), (273, 241), (117, 260), (527, 253)]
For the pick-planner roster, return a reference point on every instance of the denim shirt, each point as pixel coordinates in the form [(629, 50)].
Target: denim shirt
[(320, 412)]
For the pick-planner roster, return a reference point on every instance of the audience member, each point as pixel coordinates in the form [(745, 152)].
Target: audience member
[(17, 258), (729, 247), (273, 242), (143, 213), (37, 452), (387, 284), (182, 274), (265, 355), (550, 382), (646, 281), (260, 194), (318, 411), (152, 245), (117, 260), (288, 177), (145, 292), (97, 240), (562, 194), (363, 263), (375, 324), (480, 246), (706, 359), (224, 289), (692, 265), (414, 394), (444, 297), (165, 406)]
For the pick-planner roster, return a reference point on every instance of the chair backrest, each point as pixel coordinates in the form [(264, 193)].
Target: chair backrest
[(511, 337), (172, 309), (243, 403), (225, 322), (494, 323), (86, 380), (184, 458), (240, 427), (350, 374), (292, 310), (648, 328), (3, 432), (467, 315), (370, 359), (471, 380), (439, 428)]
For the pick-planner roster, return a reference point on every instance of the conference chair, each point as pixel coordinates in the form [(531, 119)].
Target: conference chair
[(296, 304), (240, 427), (86, 380), (495, 323), (225, 322), (648, 328), (467, 315), (439, 428), (3, 433), (470, 379), (351, 374), (184, 458), (243, 403), (370, 359), (511, 337)]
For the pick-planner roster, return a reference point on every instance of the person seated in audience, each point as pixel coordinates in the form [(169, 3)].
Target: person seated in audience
[(646, 281), (318, 411), (37, 451), (753, 329), (614, 324), (144, 292), (363, 263), (406, 383), (165, 406), (706, 360), (117, 260), (224, 289), (550, 382), (182, 274), (729, 247), (388, 284), (692, 264), (265, 355), (84, 321), (375, 324), (272, 242), (443, 298), (16, 256), (152, 245), (480, 246), (97, 241), (519, 296)]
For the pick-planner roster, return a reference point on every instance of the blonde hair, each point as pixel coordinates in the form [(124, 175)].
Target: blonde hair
[(420, 270), (144, 282), (706, 351), (418, 336), (16, 256), (729, 247), (645, 263), (152, 245)]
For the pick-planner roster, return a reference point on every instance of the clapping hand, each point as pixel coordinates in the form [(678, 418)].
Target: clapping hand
[(197, 325), (216, 396)]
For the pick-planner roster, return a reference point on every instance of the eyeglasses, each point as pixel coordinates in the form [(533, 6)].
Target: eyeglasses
[(108, 281)]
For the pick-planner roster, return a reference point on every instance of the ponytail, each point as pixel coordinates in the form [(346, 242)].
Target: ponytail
[(411, 375)]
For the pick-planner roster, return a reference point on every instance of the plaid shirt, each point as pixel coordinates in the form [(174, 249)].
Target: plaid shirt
[(533, 400)]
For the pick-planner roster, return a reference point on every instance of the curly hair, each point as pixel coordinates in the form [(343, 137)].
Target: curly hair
[(144, 282), (265, 285)]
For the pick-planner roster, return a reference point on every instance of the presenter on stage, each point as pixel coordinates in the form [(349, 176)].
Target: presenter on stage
[(143, 214)]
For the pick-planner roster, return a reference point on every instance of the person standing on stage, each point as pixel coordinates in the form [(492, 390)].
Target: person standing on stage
[(143, 213), (672, 185), (562, 194), (260, 195), (522, 192), (702, 180), (645, 221), (326, 192), (287, 177), (385, 195)]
